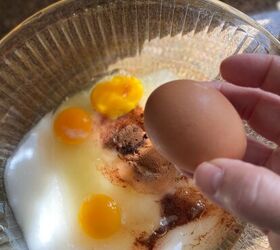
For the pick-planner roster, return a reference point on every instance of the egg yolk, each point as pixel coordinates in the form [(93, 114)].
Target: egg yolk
[(73, 125), (117, 97), (99, 216)]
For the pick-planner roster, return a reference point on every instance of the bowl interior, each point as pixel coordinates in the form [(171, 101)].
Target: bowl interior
[(62, 49)]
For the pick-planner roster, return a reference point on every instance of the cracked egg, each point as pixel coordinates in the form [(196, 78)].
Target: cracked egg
[(88, 177)]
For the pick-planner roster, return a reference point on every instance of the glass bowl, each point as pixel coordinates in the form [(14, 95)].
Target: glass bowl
[(64, 47)]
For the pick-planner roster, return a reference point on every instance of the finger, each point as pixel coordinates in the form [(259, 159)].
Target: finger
[(249, 192), (273, 161), (261, 109), (274, 240), (257, 153), (253, 70), (262, 155)]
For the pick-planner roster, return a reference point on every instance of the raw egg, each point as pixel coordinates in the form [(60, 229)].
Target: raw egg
[(99, 216), (81, 196), (73, 125), (117, 96), (190, 123)]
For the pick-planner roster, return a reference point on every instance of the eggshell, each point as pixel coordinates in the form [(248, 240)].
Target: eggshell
[(190, 123)]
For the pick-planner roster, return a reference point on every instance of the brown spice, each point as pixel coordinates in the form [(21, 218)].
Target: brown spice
[(150, 166), (147, 171), (184, 206), (180, 208), (110, 128), (129, 139)]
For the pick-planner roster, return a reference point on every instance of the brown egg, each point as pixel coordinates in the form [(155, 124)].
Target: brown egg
[(190, 123)]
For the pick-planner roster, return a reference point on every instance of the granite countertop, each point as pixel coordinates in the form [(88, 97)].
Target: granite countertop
[(12, 12)]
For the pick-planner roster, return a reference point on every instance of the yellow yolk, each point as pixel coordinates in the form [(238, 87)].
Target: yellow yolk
[(117, 97), (99, 216), (73, 125)]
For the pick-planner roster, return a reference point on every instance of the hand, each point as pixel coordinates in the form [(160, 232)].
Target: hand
[(250, 189)]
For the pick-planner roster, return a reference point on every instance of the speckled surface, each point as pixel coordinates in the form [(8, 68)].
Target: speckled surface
[(12, 12), (252, 6)]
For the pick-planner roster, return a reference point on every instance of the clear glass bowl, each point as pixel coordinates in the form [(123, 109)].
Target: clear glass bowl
[(58, 52)]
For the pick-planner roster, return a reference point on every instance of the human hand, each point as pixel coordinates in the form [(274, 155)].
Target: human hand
[(250, 189)]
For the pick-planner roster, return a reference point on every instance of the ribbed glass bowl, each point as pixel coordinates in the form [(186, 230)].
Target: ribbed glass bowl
[(61, 49)]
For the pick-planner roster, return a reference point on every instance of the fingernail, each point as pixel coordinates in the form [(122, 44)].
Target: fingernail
[(208, 177)]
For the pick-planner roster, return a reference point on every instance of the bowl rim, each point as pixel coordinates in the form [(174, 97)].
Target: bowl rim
[(39, 16)]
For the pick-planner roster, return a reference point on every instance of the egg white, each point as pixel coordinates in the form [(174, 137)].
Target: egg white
[(46, 182)]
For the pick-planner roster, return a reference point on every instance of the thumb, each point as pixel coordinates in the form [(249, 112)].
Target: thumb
[(247, 191)]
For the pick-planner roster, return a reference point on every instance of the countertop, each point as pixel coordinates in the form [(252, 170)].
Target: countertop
[(12, 12)]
